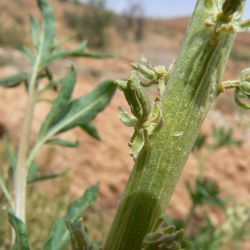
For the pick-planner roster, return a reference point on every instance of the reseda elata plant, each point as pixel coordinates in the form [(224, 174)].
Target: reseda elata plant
[(65, 114), (165, 128)]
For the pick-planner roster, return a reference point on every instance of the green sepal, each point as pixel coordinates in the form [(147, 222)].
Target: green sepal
[(137, 98), (60, 236), (127, 119), (13, 81), (145, 153), (229, 7), (22, 240)]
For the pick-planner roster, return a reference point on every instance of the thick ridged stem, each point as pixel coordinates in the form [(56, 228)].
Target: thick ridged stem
[(191, 89)]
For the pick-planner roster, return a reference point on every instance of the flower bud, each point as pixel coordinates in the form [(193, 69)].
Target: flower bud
[(245, 87), (137, 98), (231, 6)]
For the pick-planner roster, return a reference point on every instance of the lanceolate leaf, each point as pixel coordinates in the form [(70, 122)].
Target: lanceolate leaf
[(22, 241), (35, 176), (84, 109), (61, 104), (79, 52), (91, 130), (49, 28), (60, 236), (63, 143), (35, 31), (13, 81), (29, 54)]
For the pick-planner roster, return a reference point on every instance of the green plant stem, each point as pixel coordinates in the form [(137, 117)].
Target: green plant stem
[(190, 91), (21, 171)]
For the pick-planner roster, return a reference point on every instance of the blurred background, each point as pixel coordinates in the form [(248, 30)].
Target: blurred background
[(214, 189)]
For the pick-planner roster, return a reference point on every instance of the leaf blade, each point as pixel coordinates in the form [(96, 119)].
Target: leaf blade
[(13, 81), (60, 236), (61, 104), (85, 109)]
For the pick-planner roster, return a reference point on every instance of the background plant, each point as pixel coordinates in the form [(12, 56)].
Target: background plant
[(205, 193), (66, 113), (92, 24)]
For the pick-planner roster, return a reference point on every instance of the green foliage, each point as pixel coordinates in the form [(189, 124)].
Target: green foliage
[(199, 142), (65, 114), (21, 241), (205, 191), (79, 237), (223, 137), (92, 24), (167, 239), (60, 236), (14, 80)]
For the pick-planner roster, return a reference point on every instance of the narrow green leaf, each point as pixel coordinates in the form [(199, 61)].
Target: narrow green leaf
[(35, 31), (60, 236), (79, 235), (29, 54), (4, 190), (13, 81), (84, 109), (12, 158), (49, 27), (91, 130), (22, 241), (78, 52), (61, 104), (63, 143), (35, 176)]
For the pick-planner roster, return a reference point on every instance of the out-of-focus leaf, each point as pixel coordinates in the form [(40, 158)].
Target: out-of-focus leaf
[(29, 54), (84, 109), (199, 142), (205, 191), (21, 241), (35, 176), (35, 31), (49, 28), (61, 105), (4, 190), (13, 81), (224, 138), (78, 52), (91, 130), (80, 112), (60, 236), (12, 158), (63, 143), (79, 236)]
